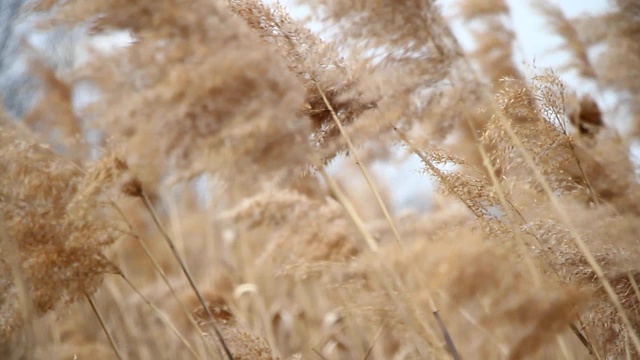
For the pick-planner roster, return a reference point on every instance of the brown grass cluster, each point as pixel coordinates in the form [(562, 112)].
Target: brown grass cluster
[(211, 224)]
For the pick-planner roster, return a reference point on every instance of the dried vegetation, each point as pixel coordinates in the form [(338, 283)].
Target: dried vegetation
[(209, 227)]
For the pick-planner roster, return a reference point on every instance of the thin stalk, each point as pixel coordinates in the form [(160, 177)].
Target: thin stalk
[(126, 325), (104, 327), (165, 279), (348, 206), (186, 272), (634, 284), (162, 317), (457, 48), (563, 348), (523, 245), (504, 350), (535, 273), (583, 329), (450, 344), (373, 246), (375, 339), (504, 201), (583, 339), (362, 168), (575, 234), (151, 257), (318, 353), (561, 120)]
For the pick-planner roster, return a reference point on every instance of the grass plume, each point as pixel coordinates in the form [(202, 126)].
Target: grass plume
[(208, 176)]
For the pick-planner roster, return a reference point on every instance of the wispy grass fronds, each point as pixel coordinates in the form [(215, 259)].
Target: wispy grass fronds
[(244, 229), (494, 38), (561, 26)]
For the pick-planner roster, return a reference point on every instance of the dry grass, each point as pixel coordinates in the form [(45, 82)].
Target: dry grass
[(529, 251)]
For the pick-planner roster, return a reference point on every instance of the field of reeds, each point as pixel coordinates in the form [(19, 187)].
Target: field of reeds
[(192, 211)]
